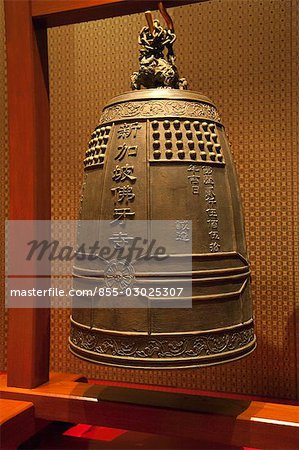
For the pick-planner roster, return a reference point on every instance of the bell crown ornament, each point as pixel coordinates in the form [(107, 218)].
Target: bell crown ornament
[(157, 59), (161, 154)]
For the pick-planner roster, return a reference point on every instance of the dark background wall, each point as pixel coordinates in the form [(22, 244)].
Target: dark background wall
[(243, 55)]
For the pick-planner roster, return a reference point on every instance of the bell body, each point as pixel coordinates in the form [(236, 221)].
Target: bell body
[(172, 145)]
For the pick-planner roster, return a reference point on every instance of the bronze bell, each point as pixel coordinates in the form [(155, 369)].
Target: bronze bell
[(161, 153)]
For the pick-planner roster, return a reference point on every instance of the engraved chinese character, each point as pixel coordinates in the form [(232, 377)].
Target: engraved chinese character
[(120, 214), (182, 225), (123, 173), (123, 150), (124, 192), (214, 247), (207, 170), (194, 179), (210, 197), (193, 168), (213, 223), (208, 180), (125, 130), (214, 235), (135, 127), (212, 212), (182, 230), (120, 240)]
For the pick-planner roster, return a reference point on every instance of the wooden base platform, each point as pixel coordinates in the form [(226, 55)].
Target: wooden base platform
[(225, 421), (17, 422)]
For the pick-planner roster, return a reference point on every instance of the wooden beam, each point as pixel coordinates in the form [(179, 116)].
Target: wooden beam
[(50, 13), (224, 421), (29, 145)]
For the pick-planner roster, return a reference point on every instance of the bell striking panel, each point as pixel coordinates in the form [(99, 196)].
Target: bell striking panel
[(161, 153)]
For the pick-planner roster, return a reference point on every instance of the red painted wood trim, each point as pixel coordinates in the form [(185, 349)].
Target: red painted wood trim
[(62, 12), (28, 117)]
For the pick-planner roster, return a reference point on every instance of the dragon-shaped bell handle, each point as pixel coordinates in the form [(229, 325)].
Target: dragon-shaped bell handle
[(157, 59)]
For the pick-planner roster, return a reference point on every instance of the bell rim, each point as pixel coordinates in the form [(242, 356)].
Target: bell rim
[(196, 362), (234, 344)]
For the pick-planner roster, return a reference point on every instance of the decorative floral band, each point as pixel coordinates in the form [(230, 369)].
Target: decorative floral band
[(159, 347), (159, 108)]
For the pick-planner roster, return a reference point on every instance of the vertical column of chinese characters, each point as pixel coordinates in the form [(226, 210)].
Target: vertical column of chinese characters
[(212, 216), (194, 178), (124, 173), (182, 230)]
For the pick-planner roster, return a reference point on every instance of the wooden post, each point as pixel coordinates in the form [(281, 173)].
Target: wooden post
[(29, 142)]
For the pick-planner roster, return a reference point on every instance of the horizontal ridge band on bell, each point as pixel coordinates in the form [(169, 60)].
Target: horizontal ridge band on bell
[(159, 94), (246, 324), (201, 276), (198, 260)]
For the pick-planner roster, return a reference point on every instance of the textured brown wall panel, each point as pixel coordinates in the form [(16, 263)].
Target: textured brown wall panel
[(295, 169), (243, 55), (239, 53)]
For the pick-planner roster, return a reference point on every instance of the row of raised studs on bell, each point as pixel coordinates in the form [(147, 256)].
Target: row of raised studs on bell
[(89, 159), (212, 147), (97, 141), (96, 150), (187, 124), (209, 137), (192, 153), (214, 150), (93, 160), (100, 131)]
